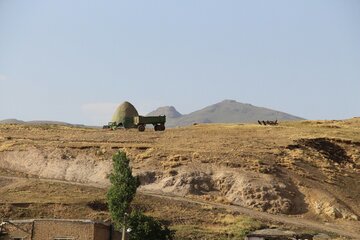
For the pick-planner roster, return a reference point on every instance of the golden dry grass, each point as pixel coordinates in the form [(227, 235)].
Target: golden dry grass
[(245, 147)]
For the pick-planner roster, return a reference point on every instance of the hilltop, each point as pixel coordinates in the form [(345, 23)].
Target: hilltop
[(12, 121), (227, 111), (39, 122), (169, 111), (206, 180)]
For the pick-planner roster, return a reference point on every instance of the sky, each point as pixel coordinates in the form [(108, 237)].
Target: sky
[(75, 61)]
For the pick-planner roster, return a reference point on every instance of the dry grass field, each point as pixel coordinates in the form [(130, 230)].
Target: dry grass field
[(206, 181)]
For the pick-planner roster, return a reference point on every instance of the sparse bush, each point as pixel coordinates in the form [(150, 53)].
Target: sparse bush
[(97, 205), (146, 227), (243, 226)]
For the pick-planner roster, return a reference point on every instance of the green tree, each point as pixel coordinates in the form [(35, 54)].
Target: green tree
[(120, 195), (122, 191), (145, 227)]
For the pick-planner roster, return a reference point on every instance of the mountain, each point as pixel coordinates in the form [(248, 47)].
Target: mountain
[(39, 122), (168, 111), (11, 121), (227, 111)]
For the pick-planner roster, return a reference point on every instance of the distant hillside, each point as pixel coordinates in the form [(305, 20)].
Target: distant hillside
[(38, 122), (227, 111), (169, 111), (11, 121)]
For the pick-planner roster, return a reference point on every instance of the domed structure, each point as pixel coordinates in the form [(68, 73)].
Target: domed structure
[(124, 114)]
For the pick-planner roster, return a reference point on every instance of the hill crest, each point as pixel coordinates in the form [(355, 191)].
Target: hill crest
[(226, 111), (169, 111)]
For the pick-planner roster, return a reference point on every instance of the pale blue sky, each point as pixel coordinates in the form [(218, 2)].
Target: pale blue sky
[(75, 61)]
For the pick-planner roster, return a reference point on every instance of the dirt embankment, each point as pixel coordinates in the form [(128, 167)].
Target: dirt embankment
[(260, 191), (55, 163)]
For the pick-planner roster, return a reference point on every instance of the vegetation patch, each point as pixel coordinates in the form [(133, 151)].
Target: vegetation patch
[(325, 147), (225, 227), (98, 205)]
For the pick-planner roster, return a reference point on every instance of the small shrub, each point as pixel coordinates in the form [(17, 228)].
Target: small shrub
[(145, 227), (98, 205)]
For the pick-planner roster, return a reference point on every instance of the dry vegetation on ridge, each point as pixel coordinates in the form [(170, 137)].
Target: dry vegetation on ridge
[(307, 169)]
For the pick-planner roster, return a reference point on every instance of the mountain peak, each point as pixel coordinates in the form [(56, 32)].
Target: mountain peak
[(233, 102), (226, 111), (11, 121), (228, 101), (168, 111)]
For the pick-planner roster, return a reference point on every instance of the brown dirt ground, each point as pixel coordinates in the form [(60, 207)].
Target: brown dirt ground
[(307, 169)]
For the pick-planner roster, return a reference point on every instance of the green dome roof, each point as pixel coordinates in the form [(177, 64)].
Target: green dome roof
[(125, 110)]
